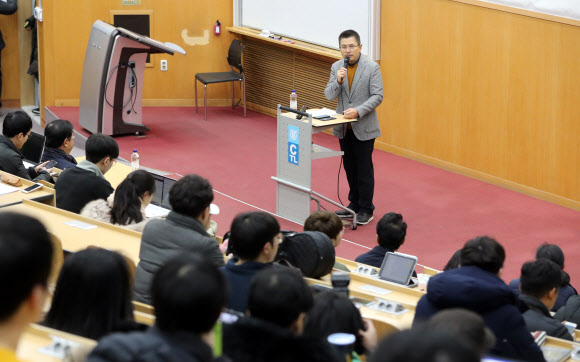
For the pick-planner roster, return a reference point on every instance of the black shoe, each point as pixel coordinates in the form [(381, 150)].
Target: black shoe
[(363, 218), (343, 214)]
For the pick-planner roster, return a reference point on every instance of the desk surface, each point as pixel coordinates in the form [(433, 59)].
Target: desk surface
[(44, 194), (322, 124), (73, 239), (37, 337)]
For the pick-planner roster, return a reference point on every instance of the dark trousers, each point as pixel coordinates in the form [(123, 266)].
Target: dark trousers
[(358, 164)]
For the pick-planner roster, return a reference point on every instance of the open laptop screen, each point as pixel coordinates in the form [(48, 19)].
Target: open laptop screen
[(167, 185), (33, 149), (398, 268), (158, 195)]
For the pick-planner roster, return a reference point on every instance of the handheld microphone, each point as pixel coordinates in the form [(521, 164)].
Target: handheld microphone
[(345, 65)]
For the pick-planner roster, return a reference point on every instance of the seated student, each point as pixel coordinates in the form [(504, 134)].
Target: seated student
[(126, 206), (25, 261), (254, 241), (335, 313), (15, 132), (454, 262), (555, 254), (77, 186), (93, 295), (539, 283), (189, 294), (330, 224), (278, 301), (183, 230), (59, 144), (477, 286), (570, 312), (422, 344), (391, 232)]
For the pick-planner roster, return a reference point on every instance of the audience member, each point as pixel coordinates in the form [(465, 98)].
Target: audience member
[(126, 206), (15, 132), (571, 311), (330, 224), (93, 295), (555, 254), (183, 230), (391, 232), (254, 241), (454, 262), (335, 313), (59, 144), (539, 283), (188, 294), (7, 7), (477, 286), (25, 261), (278, 301), (466, 326), (77, 186), (423, 345)]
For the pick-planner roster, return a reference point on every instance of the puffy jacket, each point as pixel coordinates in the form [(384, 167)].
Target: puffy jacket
[(101, 210), (538, 318), (571, 311)]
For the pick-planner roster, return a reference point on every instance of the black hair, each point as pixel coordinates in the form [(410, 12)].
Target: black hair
[(188, 294), (333, 313), (539, 277), (99, 146), (278, 295), (128, 196), (348, 34), (467, 326), (422, 344), (25, 259), (191, 195), (250, 231), (93, 294), (454, 262), (552, 252), (391, 231), (483, 252), (57, 131), (324, 221), (15, 123)]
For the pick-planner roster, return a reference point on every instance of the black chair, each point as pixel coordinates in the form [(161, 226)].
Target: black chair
[(235, 61)]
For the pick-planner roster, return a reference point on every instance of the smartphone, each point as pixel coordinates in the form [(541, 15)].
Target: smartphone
[(50, 164), (29, 189)]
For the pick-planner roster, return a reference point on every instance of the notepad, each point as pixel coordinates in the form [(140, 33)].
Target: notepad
[(80, 225), (156, 211), (321, 112), (6, 189)]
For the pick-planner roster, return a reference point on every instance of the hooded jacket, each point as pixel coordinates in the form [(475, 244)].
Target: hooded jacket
[(485, 293)]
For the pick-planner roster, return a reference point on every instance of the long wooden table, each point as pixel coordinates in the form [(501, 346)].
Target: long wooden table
[(37, 337), (105, 235), (44, 194)]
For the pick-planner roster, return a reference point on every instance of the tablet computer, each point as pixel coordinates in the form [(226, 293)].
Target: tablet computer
[(398, 268)]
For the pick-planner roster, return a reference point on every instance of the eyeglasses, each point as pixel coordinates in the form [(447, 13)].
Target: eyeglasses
[(351, 47)]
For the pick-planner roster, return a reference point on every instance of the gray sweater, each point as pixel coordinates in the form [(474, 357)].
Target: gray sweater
[(165, 239)]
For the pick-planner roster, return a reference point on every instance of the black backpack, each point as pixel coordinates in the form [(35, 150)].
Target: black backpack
[(310, 251)]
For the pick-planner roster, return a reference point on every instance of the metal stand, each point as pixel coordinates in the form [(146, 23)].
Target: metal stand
[(295, 152)]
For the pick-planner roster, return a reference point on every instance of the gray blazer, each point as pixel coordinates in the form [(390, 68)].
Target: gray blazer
[(165, 239), (365, 97)]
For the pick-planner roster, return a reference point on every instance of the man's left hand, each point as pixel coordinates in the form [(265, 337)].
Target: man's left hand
[(350, 113)]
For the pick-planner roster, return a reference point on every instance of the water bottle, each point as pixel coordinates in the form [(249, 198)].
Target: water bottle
[(293, 99), (135, 160)]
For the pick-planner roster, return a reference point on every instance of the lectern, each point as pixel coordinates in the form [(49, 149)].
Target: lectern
[(112, 83), (295, 153)]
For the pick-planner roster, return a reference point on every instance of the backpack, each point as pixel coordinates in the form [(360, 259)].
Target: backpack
[(310, 251)]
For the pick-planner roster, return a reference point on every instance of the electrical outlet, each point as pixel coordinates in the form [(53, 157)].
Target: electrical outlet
[(164, 65)]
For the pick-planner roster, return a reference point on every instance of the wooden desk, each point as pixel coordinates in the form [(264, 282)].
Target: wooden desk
[(37, 337), (561, 343), (73, 239), (44, 194), (116, 174)]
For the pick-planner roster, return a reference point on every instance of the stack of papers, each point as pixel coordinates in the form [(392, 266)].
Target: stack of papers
[(156, 211), (6, 189), (321, 112)]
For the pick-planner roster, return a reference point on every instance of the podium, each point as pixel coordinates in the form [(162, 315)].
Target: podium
[(294, 155), (112, 83)]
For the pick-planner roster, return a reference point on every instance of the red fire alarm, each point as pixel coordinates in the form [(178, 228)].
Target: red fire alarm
[(217, 29)]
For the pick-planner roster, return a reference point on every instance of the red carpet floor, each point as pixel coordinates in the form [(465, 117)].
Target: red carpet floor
[(442, 209)]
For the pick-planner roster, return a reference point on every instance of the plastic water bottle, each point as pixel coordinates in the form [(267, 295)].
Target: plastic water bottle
[(135, 160), (293, 99)]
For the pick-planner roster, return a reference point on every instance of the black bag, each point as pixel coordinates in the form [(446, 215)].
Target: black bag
[(310, 251)]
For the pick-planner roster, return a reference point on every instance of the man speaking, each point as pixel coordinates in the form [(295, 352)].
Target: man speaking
[(357, 83)]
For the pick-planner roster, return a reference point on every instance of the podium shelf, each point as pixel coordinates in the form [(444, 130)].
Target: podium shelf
[(319, 152)]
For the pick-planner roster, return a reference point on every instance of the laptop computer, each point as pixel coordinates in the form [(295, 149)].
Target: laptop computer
[(33, 149), (159, 206), (398, 268)]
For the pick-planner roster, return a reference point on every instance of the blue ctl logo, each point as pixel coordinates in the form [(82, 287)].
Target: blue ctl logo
[(293, 141)]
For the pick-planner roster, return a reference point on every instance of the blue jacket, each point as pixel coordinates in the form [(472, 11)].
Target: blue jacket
[(485, 293), (564, 293), (63, 161), (239, 278)]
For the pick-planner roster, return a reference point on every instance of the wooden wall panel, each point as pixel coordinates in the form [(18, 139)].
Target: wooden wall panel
[(484, 92)]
